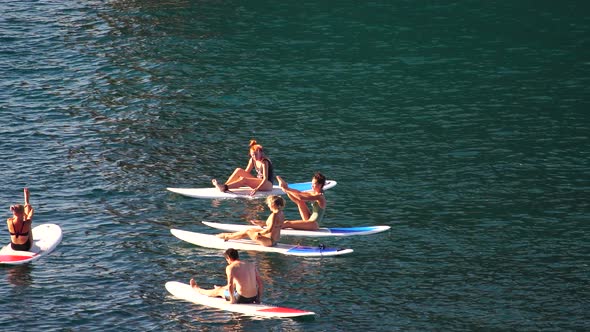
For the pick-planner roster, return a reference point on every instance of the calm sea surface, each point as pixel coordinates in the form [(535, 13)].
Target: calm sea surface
[(464, 126)]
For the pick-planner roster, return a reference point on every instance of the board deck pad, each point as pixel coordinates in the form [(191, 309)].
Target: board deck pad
[(212, 241), (46, 237), (243, 192), (186, 292), (322, 232)]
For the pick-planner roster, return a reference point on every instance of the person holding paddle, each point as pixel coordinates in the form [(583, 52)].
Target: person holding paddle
[(243, 281), (244, 177), (19, 225)]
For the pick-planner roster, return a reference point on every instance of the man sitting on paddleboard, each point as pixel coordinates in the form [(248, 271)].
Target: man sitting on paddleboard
[(19, 226), (269, 236), (243, 281)]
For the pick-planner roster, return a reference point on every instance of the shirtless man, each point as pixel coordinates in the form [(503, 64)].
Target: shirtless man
[(243, 281)]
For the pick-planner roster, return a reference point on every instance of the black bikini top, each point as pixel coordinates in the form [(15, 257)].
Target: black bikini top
[(17, 234)]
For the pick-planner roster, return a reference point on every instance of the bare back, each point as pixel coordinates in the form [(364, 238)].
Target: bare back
[(21, 228), (243, 275), (274, 223)]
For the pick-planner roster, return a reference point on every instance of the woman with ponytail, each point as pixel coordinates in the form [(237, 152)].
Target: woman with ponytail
[(244, 178)]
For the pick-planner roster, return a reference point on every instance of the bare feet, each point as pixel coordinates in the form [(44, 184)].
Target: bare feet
[(193, 283), (222, 236), (282, 183), (220, 187)]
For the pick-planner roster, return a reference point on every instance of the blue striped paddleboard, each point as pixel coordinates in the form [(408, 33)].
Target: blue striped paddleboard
[(322, 232), (212, 241), (243, 192)]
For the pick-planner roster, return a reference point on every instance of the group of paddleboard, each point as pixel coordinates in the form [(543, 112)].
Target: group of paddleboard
[(243, 290)]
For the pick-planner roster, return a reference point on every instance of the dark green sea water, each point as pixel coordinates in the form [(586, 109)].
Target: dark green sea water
[(464, 126)]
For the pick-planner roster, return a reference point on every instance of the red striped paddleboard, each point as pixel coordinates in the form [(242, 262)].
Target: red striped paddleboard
[(45, 238), (186, 292)]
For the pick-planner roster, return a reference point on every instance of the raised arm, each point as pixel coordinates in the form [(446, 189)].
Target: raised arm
[(28, 208)]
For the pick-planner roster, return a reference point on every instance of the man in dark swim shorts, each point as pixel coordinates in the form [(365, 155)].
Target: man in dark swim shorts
[(241, 299), (243, 281)]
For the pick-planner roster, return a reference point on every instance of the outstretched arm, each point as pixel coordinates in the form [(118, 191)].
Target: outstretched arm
[(258, 222), (28, 208), (300, 195)]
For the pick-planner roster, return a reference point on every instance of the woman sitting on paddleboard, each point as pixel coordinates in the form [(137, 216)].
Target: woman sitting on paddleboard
[(270, 235), (309, 221), (243, 177), (19, 226)]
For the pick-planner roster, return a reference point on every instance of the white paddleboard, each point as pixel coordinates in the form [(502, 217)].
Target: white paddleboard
[(322, 232), (45, 238), (186, 292), (243, 192), (212, 241)]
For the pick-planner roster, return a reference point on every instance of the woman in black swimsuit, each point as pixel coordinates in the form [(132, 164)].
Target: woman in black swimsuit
[(244, 177), (19, 226)]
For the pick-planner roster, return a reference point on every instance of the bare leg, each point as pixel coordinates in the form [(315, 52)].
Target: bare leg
[(237, 176), (264, 241), (301, 205), (233, 236), (251, 182), (215, 292), (301, 224), (295, 197), (282, 183), (251, 233)]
